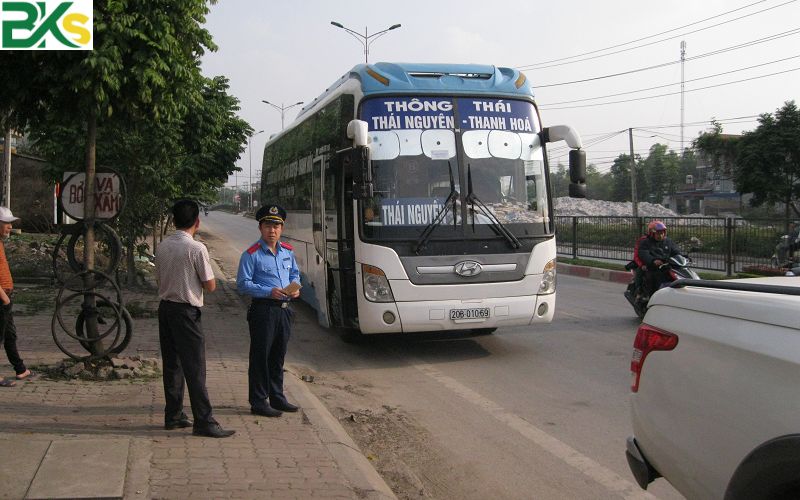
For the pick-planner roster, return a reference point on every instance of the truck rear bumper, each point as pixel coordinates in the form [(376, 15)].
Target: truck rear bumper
[(643, 472)]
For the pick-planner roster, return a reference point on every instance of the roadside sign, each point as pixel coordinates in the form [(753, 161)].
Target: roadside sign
[(108, 195)]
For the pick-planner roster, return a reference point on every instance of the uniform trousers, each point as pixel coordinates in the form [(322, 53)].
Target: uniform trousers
[(183, 353), (8, 335), (270, 327)]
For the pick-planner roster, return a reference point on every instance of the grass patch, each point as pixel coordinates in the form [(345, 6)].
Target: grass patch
[(592, 263), (33, 300)]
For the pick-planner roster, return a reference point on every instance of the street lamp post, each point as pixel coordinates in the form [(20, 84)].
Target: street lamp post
[(366, 39), (282, 108), (250, 188)]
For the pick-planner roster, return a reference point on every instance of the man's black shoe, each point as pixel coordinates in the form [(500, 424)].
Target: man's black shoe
[(212, 430), (265, 411), (181, 423), (287, 407)]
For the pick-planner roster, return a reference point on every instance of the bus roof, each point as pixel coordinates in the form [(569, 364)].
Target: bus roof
[(426, 78)]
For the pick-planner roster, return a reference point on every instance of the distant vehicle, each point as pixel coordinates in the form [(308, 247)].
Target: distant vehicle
[(715, 399), (417, 199)]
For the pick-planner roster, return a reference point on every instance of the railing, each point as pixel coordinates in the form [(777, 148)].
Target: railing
[(718, 244)]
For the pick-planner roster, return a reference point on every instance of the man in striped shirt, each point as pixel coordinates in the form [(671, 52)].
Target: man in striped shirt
[(183, 270)]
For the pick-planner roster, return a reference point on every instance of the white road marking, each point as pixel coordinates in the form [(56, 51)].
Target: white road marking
[(583, 464)]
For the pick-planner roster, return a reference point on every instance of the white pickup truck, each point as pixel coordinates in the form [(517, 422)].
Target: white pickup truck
[(716, 389)]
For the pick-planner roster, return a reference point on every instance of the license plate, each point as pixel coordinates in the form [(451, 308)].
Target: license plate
[(476, 313)]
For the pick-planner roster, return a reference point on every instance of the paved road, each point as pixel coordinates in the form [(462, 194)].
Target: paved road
[(522, 413)]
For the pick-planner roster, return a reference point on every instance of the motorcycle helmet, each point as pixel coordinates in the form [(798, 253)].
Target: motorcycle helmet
[(654, 226)]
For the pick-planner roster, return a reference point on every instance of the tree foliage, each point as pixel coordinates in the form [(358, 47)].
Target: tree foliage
[(138, 103), (764, 161)]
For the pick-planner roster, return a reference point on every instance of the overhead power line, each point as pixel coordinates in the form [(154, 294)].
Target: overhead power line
[(673, 93), (546, 64), (769, 38), (669, 84)]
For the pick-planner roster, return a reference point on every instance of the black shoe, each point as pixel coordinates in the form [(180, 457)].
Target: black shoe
[(212, 430), (181, 423), (284, 406), (265, 411)]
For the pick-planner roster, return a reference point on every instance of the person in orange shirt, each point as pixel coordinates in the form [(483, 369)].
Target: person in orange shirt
[(8, 331)]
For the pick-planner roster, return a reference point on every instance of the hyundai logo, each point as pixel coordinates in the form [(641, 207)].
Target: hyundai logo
[(468, 268)]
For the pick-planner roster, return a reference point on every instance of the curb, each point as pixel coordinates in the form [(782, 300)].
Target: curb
[(595, 273), (355, 467)]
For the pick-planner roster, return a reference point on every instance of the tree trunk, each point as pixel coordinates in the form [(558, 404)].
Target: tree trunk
[(89, 301), (130, 262), (5, 178)]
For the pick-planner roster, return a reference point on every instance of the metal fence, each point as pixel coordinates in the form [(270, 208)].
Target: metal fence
[(718, 244)]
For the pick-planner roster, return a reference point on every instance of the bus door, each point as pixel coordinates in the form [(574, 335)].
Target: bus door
[(317, 257), (341, 282)]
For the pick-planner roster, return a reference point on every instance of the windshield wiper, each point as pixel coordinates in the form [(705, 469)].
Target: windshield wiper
[(451, 200), (496, 225)]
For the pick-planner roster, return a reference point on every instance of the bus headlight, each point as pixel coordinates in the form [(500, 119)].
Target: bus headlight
[(376, 286), (548, 278)]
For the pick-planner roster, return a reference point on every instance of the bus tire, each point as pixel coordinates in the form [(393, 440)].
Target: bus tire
[(484, 331)]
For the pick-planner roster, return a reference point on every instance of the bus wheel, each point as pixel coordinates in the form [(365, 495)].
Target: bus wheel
[(484, 331)]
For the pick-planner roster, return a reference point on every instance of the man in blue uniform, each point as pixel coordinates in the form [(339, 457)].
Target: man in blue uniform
[(266, 269)]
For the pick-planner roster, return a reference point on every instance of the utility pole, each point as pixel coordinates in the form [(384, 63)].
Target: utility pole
[(683, 60), (633, 176)]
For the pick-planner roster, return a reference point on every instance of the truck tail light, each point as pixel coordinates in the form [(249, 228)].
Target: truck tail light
[(648, 338)]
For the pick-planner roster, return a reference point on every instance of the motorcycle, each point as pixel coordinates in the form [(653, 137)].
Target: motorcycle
[(782, 256), (678, 266)]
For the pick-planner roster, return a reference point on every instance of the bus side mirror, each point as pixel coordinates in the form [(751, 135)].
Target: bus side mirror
[(356, 161), (577, 173), (358, 131), (577, 166)]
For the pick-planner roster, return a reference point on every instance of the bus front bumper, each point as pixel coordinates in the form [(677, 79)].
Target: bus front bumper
[(444, 315)]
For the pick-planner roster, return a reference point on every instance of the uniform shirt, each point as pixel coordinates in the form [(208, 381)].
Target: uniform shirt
[(182, 265), (6, 283), (260, 270)]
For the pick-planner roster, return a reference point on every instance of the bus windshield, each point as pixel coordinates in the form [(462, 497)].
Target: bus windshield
[(428, 150)]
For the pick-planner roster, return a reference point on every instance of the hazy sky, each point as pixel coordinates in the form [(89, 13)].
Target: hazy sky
[(286, 52)]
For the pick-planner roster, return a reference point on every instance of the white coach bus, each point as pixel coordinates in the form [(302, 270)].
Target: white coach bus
[(418, 199)]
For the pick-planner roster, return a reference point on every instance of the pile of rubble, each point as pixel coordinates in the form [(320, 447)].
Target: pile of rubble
[(582, 206), (122, 368)]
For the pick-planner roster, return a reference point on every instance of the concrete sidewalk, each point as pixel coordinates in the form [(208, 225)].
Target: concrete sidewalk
[(80, 439)]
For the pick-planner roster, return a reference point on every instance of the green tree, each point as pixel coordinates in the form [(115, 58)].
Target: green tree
[(141, 91), (764, 161), (661, 170), (559, 181), (620, 173), (598, 184)]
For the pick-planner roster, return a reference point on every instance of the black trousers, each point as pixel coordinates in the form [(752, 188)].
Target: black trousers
[(270, 327), (183, 353), (8, 335), (654, 279)]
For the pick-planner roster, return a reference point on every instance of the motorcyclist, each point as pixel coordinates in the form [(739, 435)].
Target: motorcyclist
[(655, 251), (789, 244)]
